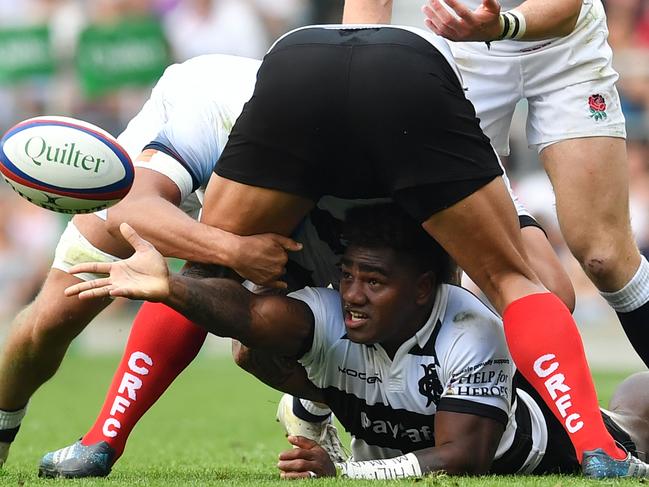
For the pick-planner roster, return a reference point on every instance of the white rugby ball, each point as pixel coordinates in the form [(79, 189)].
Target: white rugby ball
[(65, 165)]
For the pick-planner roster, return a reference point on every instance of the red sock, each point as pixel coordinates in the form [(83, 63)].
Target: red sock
[(546, 347), (161, 344)]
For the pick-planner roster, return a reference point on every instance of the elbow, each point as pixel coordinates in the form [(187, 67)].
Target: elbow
[(469, 466)]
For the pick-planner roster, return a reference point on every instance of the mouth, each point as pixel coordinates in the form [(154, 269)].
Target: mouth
[(355, 319)]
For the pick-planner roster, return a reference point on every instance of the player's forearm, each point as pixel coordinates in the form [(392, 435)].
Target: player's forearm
[(220, 306), (176, 234), (225, 308), (454, 459), (546, 19), (367, 12)]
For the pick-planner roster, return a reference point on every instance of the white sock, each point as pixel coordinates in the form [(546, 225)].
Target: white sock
[(11, 419), (315, 408), (634, 294)]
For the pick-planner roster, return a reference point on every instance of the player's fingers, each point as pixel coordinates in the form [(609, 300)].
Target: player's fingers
[(443, 12), (491, 5), (297, 465), (85, 286), (430, 13), (131, 236), (459, 9), (295, 475), (301, 442), (101, 292), (431, 25), (288, 243), (91, 267), (432, 21)]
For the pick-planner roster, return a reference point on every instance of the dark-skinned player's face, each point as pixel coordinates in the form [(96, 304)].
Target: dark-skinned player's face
[(384, 296)]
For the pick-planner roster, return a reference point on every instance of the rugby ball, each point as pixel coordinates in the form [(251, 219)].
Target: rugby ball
[(65, 165)]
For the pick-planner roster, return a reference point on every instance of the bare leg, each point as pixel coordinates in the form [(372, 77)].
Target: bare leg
[(39, 338), (590, 180), (481, 233), (545, 263)]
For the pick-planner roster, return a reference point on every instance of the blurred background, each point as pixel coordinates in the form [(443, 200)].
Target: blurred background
[(97, 60)]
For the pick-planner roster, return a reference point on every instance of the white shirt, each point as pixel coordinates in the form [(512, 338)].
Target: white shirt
[(458, 361)]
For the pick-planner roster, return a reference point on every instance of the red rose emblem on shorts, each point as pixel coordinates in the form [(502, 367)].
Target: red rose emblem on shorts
[(597, 106)]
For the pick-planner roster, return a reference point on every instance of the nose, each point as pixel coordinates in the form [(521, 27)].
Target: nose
[(353, 292)]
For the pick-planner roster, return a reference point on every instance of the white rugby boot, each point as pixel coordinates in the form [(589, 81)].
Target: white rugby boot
[(322, 432)]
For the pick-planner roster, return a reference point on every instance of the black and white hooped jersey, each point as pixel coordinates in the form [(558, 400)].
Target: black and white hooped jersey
[(458, 362)]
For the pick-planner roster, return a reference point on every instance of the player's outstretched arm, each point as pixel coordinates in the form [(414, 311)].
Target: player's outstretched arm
[(151, 208), (541, 19), (467, 445), (221, 306)]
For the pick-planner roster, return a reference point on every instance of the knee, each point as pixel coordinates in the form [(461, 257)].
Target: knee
[(599, 262), (42, 327)]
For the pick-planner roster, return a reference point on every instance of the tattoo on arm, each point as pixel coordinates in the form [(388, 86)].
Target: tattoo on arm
[(221, 306), (204, 271)]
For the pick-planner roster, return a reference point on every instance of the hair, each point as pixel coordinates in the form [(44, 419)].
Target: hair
[(386, 225)]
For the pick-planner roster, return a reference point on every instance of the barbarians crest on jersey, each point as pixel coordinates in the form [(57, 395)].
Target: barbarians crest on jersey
[(597, 107), (429, 385)]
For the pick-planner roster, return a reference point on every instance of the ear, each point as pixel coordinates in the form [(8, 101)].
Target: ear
[(426, 288)]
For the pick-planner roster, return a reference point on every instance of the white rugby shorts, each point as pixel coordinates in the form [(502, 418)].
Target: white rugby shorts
[(73, 248), (569, 84)]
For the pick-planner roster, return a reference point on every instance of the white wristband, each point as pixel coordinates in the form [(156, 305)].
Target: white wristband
[(387, 469), (513, 25)]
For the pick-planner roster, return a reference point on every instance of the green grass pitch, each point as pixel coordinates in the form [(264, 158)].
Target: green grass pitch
[(215, 426)]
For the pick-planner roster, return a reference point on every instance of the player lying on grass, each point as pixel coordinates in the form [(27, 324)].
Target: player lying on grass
[(191, 140), (207, 92), (417, 370)]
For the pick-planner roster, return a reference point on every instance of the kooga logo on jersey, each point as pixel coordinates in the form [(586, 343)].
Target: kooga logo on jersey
[(39, 151), (372, 379)]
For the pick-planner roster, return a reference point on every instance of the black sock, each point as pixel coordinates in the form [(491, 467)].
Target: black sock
[(636, 326), (303, 414)]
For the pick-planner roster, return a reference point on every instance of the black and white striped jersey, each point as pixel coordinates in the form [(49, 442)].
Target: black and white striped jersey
[(458, 361)]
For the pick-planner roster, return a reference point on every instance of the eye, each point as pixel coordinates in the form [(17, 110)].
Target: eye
[(345, 275), (373, 282)]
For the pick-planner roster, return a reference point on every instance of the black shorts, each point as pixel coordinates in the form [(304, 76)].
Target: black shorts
[(560, 456), (360, 113)]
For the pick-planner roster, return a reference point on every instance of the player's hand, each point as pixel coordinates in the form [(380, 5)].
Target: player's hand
[(306, 459), (458, 23), (144, 275), (262, 258)]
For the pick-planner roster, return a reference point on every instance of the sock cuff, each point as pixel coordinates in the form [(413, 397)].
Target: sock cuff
[(309, 411), (522, 304), (634, 294), (11, 419)]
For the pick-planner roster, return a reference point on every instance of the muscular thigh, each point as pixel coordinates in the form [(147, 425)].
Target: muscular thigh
[(482, 234), (246, 210)]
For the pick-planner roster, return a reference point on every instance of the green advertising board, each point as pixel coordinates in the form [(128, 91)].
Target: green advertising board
[(133, 52), (25, 52)]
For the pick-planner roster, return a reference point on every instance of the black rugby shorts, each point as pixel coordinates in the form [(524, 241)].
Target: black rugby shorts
[(360, 113)]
